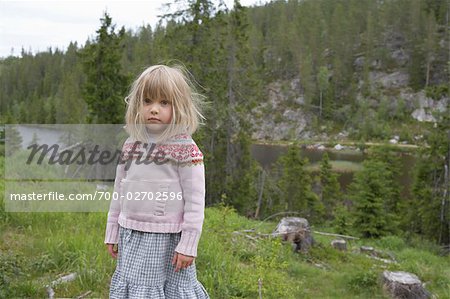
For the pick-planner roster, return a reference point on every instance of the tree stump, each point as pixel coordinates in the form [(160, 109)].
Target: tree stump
[(339, 244), (404, 285), (295, 230)]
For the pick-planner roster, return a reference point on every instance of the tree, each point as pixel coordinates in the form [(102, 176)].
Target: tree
[(415, 45), (295, 185), (431, 187), (323, 86), (330, 189), (13, 140), (368, 192), (105, 85), (342, 221), (430, 45), (240, 167), (241, 188)]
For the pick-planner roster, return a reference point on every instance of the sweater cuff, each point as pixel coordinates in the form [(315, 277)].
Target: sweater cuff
[(112, 233), (188, 243)]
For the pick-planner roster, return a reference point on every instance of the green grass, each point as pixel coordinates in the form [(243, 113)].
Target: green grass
[(338, 166), (35, 248)]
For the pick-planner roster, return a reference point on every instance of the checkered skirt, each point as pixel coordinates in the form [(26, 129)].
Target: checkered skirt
[(144, 268)]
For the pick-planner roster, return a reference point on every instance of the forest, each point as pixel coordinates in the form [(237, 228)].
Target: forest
[(332, 48), (234, 55), (374, 74)]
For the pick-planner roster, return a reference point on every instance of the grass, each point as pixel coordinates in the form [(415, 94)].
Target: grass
[(35, 248), (338, 166)]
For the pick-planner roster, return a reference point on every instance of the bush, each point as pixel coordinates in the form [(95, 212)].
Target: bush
[(436, 92), (363, 280)]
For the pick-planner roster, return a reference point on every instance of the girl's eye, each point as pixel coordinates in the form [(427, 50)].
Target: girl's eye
[(147, 101), (165, 102)]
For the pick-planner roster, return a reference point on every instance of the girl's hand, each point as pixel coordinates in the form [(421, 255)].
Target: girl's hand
[(113, 252), (182, 261)]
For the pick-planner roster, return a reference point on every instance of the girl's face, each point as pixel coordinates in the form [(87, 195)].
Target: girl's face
[(157, 112)]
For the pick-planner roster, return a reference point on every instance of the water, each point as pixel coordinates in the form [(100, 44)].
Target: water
[(267, 155)]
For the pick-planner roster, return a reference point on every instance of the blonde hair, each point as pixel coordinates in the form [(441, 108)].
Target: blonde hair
[(169, 83)]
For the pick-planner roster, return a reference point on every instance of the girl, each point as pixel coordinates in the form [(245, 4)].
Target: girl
[(157, 214)]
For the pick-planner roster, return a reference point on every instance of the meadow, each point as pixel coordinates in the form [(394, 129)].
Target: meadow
[(37, 248)]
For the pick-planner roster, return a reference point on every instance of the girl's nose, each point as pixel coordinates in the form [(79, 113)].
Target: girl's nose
[(153, 110)]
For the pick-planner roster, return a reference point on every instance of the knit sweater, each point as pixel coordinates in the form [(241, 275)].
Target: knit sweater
[(165, 194)]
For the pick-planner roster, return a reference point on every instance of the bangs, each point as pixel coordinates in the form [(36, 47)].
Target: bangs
[(157, 85)]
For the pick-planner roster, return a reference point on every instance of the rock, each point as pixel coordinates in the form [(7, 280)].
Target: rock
[(404, 285), (359, 63), (300, 100), (393, 141), (290, 115), (400, 56), (295, 230), (393, 80), (423, 106), (102, 187), (295, 84), (424, 101), (339, 244), (367, 249), (376, 64), (321, 147), (421, 115), (338, 147), (343, 134), (62, 279), (442, 104)]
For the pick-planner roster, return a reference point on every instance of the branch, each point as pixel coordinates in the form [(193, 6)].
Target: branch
[(336, 235)]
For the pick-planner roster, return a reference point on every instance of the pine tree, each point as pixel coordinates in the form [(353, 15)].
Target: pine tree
[(240, 166), (105, 85), (242, 186), (368, 192), (416, 66), (295, 185), (13, 141), (430, 45), (322, 79), (431, 194), (342, 221), (330, 188)]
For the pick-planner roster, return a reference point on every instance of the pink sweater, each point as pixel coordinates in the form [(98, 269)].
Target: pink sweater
[(164, 195)]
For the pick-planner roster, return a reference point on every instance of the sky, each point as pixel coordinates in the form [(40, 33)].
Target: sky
[(38, 25)]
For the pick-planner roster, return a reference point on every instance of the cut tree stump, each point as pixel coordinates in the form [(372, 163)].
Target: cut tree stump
[(339, 244), (295, 230), (404, 285)]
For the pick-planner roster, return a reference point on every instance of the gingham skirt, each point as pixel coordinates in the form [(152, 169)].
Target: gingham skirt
[(144, 268)]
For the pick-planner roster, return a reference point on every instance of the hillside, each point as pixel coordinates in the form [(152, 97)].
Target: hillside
[(304, 69), (37, 248), (351, 72)]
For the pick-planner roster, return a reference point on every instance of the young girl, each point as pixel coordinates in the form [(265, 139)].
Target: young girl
[(156, 215)]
